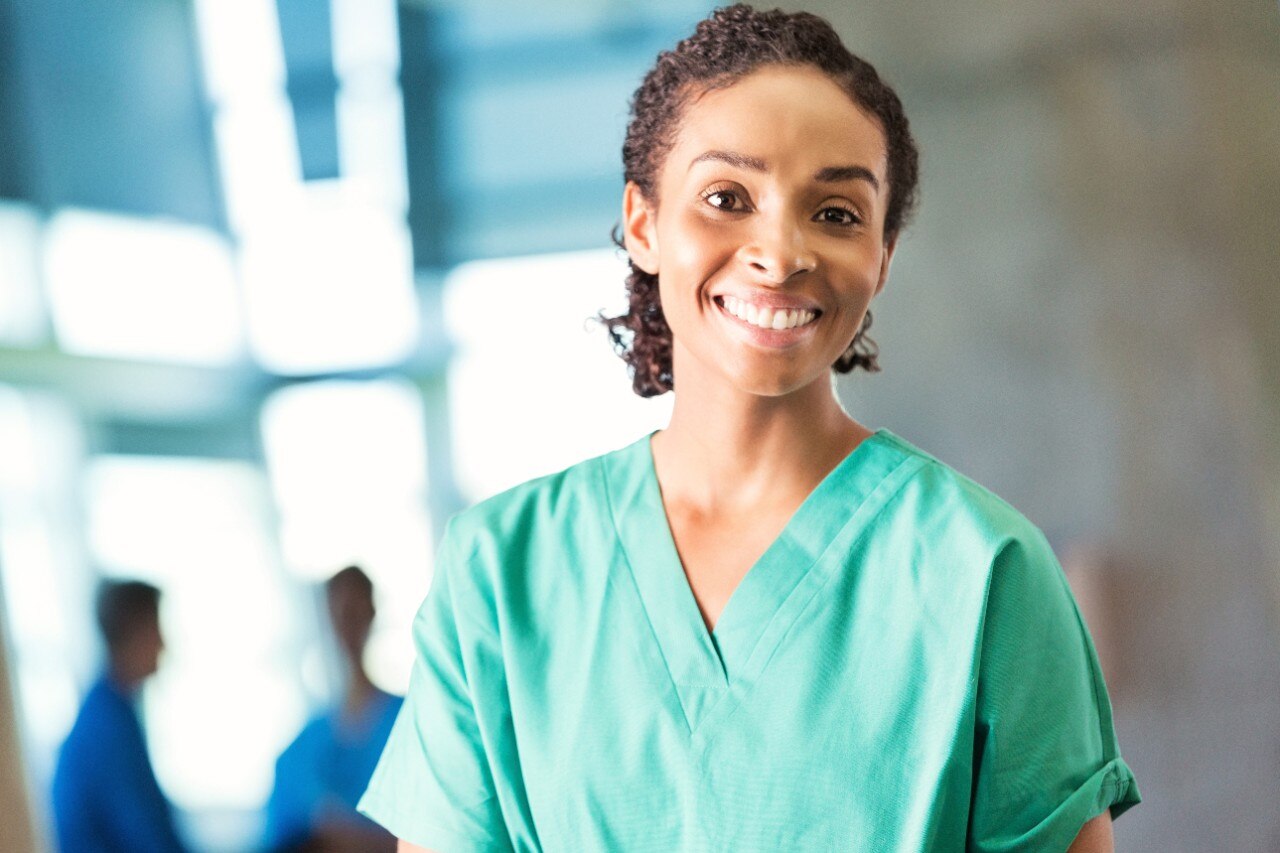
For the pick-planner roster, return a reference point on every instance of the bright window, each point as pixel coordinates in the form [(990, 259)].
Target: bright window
[(244, 73), (326, 266), (329, 284), (535, 386), (22, 317), (136, 288)]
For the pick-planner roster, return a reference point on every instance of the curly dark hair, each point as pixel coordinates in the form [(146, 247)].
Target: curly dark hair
[(731, 43)]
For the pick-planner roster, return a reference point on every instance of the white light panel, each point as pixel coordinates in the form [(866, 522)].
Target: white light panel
[(136, 288), (535, 386), (22, 314), (329, 285)]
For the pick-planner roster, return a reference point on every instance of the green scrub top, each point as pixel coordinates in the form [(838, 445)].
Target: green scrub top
[(904, 669)]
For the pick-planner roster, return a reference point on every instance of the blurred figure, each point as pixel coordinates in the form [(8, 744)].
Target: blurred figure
[(321, 775), (105, 795)]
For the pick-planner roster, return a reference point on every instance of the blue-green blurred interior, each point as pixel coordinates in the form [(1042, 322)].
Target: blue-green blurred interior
[(242, 247)]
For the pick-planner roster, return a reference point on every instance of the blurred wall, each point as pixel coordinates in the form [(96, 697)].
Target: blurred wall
[(86, 120), (1086, 319)]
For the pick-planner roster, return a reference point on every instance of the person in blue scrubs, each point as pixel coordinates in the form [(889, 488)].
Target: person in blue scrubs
[(766, 627), (105, 795), (323, 772)]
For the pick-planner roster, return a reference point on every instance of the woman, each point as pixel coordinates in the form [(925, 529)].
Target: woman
[(766, 627)]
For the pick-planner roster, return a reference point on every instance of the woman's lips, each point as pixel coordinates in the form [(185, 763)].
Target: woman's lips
[(769, 325)]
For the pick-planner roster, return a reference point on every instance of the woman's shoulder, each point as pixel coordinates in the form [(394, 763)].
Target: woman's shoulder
[(966, 538), (950, 502), (571, 496)]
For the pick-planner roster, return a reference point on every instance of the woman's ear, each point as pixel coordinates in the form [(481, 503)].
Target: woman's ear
[(885, 260), (640, 229)]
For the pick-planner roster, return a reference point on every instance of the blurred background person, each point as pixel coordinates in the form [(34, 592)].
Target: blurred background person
[(105, 795), (321, 775)]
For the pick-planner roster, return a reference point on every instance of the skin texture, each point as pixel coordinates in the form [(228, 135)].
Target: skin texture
[(1095, 836), (756, 425)]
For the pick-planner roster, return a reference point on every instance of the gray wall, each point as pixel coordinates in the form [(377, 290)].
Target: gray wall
[(1086, 319)]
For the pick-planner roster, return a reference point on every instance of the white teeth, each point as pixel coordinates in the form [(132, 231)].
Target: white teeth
[(767, 317)]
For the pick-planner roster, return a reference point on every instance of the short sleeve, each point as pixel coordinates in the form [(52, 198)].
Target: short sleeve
[(1046, 759), (433, 786)]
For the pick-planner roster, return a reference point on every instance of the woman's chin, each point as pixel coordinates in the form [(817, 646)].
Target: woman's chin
[(776, 381)]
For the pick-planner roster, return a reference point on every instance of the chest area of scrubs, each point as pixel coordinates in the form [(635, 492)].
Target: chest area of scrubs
[(829, 704)]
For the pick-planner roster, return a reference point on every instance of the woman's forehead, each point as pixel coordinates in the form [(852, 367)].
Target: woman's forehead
[(781, 116)]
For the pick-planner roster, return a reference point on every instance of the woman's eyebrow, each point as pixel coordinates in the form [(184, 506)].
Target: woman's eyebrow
[(837, 174), (828, 175), (733, 158)]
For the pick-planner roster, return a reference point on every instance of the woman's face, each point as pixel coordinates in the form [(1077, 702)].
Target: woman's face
[(768, 232)]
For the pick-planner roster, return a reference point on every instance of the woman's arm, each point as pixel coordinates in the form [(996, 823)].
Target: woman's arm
[(406, 847), (1095, 836)]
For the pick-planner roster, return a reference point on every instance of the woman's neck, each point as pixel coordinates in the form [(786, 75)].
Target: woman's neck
[(726, 450)]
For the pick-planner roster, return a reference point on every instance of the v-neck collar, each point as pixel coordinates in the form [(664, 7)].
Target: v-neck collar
[(705, 665)]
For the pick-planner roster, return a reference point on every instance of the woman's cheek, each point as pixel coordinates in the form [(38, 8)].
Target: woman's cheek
[(860, 270), (700, 247)]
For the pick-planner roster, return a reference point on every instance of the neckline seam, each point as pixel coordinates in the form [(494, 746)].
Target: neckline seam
[(786, 533), (625, 554)]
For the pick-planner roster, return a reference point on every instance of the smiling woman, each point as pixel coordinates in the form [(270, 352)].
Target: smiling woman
[(767, 626), (777, 178), (717, 56)]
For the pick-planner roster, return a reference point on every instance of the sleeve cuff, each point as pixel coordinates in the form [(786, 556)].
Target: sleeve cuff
[(427, 835), (1112, 786)]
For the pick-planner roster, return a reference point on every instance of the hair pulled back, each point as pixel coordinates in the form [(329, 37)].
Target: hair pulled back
[(731, 43)]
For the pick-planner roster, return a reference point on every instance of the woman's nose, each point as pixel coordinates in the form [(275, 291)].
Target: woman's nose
[(777, 249)]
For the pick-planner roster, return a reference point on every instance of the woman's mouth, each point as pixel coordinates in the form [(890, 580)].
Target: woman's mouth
[(764, 316)]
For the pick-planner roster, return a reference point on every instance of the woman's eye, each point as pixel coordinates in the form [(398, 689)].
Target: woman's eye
[(723, 200), (837, 216)]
